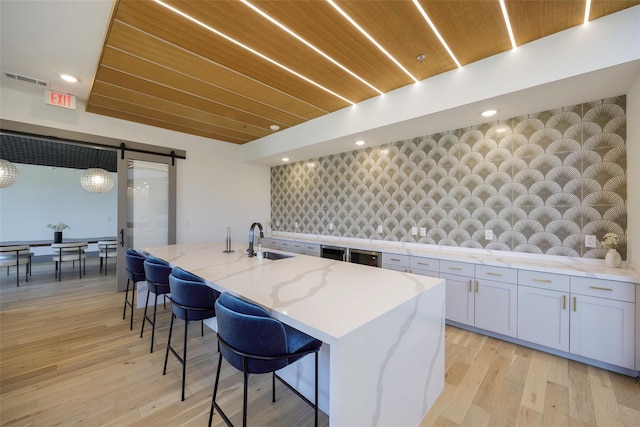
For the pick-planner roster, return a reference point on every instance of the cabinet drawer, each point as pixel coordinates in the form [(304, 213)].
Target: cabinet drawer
[(395, 261), (425, 264), (611, 289), (497, 274), (296, 247), (312, 249), (286, 245), (538, 279), (456, 267), (268, 242)]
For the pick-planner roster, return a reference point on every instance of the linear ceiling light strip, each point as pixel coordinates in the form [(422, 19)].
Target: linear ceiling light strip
[(255, 52), (436, 32), (217, 64), (503, 6), (371, 39), (587, 10), (309, 45)]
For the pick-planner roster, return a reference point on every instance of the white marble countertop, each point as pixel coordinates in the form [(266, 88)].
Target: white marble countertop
[(324, 298), (573, 266)]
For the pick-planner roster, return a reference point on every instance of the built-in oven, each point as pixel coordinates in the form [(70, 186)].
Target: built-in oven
[(372, 258), (333, 252)]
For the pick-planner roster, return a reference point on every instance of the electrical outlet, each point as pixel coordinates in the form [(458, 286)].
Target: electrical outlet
[(330, 226), (590, 241), (423, 231), (414, 231), (295, 224), (488, 234), (379, 229)]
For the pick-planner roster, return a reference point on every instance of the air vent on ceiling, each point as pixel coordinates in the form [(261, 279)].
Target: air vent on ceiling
[(27, 79)]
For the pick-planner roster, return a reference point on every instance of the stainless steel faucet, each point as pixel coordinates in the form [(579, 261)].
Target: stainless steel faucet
[(250, 250)]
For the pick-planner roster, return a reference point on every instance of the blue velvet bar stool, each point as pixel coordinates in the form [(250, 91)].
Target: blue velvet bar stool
[(255, 343), (191, 299), (157, 273), (134, 261)]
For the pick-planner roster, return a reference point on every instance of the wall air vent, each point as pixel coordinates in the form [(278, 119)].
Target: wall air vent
[(27, 79)]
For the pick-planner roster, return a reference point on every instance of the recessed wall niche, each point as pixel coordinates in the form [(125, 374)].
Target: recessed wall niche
[(540, 182)]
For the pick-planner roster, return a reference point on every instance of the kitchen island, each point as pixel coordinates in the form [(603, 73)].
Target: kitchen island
[(382, 358)]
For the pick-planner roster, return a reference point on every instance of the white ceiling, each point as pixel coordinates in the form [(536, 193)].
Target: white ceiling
[(41, 39)]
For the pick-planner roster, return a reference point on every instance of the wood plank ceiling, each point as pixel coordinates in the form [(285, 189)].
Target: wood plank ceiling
[(209, 68)]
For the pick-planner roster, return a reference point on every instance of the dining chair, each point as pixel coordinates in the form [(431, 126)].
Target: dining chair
[(191, 299), (107, 249), (157, 272), (16, 255), (255, 343), (134, 261), (64, 252)]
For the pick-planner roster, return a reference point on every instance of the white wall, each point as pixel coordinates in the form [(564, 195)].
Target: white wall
[(215, 190), (633, 174), (44, 196)]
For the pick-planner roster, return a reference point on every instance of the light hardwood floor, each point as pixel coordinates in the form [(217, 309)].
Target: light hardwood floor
[(67, 358)]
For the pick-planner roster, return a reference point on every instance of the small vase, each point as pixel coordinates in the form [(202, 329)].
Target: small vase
[(613, 258), (57, 237)]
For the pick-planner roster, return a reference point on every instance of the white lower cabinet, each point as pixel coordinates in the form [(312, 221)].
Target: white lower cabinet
[(460, 300), (496, 307), (543, 317), (603, 328)]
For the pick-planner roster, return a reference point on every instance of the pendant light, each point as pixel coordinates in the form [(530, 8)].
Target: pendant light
[(96, 180), (8, 173)]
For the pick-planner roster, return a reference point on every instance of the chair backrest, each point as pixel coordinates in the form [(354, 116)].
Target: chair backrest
[(69, 247), (108, 246), (14, 250), (16, 254), (193, 298), (250, 329), (157, 270), (134, 261)]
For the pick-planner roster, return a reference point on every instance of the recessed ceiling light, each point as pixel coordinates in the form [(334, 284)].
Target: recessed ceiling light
[(421, 57), (489, 113), (68, 78), (361, 142), (285, 159), (274, 127)]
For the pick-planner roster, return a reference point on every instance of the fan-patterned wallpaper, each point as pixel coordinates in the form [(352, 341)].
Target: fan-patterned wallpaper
[(541, 182)]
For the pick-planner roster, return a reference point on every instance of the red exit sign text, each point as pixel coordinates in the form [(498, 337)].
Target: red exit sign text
[(59, 99)]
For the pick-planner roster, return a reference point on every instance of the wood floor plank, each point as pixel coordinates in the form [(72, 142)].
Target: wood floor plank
[(67, 357), (556, 405), (535, 386), (604, 399)]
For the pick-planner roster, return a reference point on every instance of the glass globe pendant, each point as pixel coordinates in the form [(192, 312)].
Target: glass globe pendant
[(96, 180), (8, 173)]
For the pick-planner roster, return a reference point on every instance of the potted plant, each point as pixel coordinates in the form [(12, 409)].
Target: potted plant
[(612, 258), (57, 235)]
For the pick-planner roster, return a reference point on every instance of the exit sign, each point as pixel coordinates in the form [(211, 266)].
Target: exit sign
[(59, 99)]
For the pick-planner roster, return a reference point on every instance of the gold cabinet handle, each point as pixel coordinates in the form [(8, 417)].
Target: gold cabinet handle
[(477, 286), (423, 263), (600, 289), (491, 273), (394, 259), (564, 302), (470, 286), (535, 279), (455, 268), (574, 304)]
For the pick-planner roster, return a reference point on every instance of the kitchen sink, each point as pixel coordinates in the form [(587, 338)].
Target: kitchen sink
[(275, 255)]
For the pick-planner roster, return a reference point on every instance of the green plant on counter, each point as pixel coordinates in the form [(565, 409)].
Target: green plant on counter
[(59, 226), (610, 241)]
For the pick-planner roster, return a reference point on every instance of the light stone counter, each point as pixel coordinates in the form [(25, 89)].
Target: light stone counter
[(573, 266), (382, 361)]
